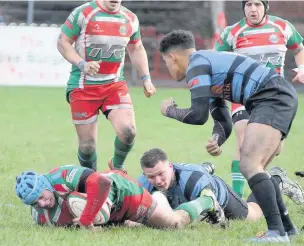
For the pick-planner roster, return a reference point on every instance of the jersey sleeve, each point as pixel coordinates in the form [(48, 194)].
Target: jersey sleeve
[(73, 176), (66, 178), (72, 25), (201, 184), (294, 39), (143, 181), (193, 180), (198, 77), (222, 43), (136, 36)]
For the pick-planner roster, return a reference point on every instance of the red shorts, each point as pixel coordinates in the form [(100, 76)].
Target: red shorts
[(86, 102), (235, 107)]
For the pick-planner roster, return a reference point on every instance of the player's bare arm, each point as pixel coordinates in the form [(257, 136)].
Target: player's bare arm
[(299, 58), (138, 56), (67, 50)]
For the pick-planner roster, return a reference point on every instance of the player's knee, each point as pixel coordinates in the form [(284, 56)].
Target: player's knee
[(87, 146), (128, 133)]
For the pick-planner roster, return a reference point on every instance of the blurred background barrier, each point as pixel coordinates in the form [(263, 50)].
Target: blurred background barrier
[(29, 30)]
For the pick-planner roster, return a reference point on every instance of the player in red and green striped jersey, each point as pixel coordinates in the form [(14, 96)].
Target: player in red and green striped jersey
[(265, 38), (101, 31)]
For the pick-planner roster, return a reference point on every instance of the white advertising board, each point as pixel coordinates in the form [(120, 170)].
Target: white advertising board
[(29, 57)]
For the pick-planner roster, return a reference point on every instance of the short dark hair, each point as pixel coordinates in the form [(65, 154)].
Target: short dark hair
[(151, 157), (177, 38)]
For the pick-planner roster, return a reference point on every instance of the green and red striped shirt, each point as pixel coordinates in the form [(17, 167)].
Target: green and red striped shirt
[(266, 43), (101, 35)]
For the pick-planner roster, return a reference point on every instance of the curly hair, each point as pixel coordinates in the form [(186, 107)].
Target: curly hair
[(178, 39)]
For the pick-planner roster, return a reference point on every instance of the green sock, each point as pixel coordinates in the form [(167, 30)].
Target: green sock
[(88, 160), (120, 153), (238, 180), (197, 206)]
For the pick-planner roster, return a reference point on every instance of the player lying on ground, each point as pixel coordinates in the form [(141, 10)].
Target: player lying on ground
[(113, 193), (266, 39), (181, 182), (270, 101)]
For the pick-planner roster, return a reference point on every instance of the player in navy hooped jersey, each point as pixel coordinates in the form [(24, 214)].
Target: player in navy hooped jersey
[(271, 102)]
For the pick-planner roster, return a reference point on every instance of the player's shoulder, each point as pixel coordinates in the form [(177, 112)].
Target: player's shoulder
[(278, 21), (144, 182), (188, 167), (85, 6), (65, 169), (200, 56), (129, 13), (232, 29), (276, 18)]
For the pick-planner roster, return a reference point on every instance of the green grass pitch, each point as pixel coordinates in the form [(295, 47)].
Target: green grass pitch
[(37, 133)]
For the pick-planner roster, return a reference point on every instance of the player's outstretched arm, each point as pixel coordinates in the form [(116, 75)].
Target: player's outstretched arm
[(97, 189), (197, 114)]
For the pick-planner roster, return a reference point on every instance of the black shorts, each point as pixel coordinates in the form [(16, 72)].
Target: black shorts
[(274, 104), (236, 207)]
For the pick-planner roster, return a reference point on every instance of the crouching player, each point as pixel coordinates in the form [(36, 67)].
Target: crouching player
[(127, 200), (182, 183)]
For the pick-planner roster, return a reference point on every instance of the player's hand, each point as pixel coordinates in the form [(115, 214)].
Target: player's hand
[(165, 104), (212, 146), (149, 88), (76, 222), (91, 68), (299, 77)]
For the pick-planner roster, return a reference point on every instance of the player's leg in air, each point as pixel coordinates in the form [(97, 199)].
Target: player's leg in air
[(118, 108), (240, 120)]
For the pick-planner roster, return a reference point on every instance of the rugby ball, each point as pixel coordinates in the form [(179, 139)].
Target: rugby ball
[(161, 199), (77, 202)]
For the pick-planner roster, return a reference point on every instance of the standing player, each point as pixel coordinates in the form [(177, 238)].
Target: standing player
[(270, 100), (101, 31), (125, 198), (266, 39)]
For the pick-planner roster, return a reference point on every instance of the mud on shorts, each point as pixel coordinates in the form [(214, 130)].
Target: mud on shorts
[(274, 104), (86, 102)]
